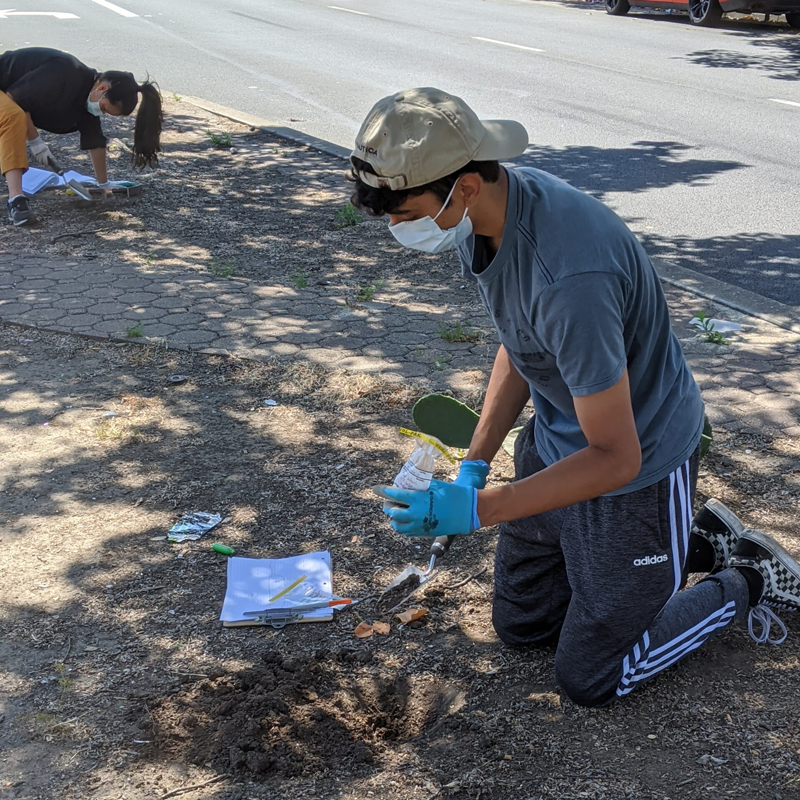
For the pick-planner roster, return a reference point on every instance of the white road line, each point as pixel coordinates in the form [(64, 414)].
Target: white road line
[(57, 14), (350, 11), (116, 9), (784, 102), (508, 44)]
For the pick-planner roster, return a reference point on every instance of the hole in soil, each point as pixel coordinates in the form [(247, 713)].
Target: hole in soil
[(290, 716)]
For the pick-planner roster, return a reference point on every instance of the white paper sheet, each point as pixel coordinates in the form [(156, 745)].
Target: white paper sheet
[(35, 179), (252, 582), (718, 325)]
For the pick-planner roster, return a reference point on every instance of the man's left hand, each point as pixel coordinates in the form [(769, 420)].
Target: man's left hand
[(444, 509)]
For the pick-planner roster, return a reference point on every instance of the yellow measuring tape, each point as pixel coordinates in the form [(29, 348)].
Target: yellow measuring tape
[(432, 440)]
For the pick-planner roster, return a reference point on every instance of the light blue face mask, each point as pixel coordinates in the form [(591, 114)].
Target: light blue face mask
[(93, 107)]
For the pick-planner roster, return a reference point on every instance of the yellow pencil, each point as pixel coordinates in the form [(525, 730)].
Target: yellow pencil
[(288, 589)]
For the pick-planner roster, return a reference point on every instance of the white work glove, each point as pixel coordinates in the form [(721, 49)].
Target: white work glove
[(41, 152)]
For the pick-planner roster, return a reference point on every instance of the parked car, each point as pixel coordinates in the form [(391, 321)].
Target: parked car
[(709, 12)]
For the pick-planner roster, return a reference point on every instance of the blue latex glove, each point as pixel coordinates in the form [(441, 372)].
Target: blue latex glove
[(473, 473), (444, 509)]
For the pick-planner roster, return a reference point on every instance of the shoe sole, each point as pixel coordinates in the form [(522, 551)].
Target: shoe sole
[(768, 543), (726, 516)]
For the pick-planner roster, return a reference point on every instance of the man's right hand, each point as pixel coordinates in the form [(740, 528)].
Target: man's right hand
[(41, 153), (473, 473)]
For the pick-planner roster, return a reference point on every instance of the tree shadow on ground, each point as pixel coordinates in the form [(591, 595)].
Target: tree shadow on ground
[(771, 52), (250, 253), (765, 263), (642, 166)]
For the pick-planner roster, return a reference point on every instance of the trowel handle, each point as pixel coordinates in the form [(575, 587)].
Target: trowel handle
[(441, 545), (55, 166)]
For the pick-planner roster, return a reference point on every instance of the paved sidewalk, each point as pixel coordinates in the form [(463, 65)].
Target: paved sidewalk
[(400, 339), (751, 385)]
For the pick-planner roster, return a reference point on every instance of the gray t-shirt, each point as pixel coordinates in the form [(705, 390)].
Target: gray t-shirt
[(575, 299)]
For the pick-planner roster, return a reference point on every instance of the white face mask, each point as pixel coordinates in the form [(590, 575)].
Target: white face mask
[(425, 235)]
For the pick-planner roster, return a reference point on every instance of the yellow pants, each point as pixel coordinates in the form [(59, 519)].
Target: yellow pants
[(13, 134)]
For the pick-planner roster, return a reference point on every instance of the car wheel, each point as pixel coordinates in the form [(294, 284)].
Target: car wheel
[(793, 18), (618, 8), (705, 13)]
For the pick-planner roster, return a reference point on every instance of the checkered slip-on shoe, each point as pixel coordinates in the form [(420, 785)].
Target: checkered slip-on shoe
[(781, 575), (716, 523)]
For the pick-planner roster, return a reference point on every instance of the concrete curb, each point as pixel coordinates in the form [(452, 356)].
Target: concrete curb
[(264, 125), (720, 292)]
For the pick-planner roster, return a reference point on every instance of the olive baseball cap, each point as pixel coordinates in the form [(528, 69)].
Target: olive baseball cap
[(420, 135)]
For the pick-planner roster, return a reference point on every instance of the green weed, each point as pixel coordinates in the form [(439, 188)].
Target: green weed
[(458, 333), (348, 216), (300, 279), (221, 267), (442, 361), (176, 97), (220, 140), (366, 293), (707, 328), (135, 331)]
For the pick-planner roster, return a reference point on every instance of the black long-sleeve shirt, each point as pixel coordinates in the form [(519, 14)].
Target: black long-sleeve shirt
[(53, 88)]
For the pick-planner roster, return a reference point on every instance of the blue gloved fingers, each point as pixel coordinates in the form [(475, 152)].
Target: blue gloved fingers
[(408, 529), (399, 515), (473, 473), (402, 496)]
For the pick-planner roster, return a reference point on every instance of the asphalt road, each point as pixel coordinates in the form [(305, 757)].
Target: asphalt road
[(692, 135)]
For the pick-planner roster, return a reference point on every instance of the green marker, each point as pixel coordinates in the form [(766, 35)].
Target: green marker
[(222, 548)]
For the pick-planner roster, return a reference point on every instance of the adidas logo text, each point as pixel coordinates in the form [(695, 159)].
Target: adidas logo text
[(648, 560)]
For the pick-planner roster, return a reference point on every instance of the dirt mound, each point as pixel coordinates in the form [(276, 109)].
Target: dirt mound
[(287, 717)]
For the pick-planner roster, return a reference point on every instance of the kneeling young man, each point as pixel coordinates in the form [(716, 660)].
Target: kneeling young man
[(596, 533)]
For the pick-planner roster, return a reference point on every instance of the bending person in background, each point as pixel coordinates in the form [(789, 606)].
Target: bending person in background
[(51, 90)]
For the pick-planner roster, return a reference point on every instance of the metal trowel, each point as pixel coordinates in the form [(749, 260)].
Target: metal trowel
[(76, 187), (439, 548)]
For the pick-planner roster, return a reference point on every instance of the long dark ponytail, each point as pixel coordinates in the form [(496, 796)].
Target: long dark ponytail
[(124, 91)]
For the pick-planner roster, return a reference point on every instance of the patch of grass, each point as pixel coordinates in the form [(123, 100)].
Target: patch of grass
[(707, 329), (220, 140), (176, 97), (366, 293), (149, 260), (348, 216), (300, 279), (135, 331), (221, 267), (458, 333)]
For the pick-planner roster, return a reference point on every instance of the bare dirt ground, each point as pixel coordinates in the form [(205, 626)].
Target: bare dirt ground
[(117, 679)]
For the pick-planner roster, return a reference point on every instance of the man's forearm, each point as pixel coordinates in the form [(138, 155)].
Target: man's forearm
[(506, 396), (99, 163), (584, 475), (31, 133)]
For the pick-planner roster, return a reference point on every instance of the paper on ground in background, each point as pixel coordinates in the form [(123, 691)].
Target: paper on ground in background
[(717, 325), (193, 526), (35, 179), (253, 581)]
